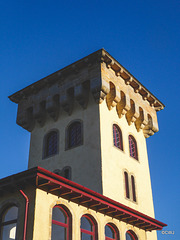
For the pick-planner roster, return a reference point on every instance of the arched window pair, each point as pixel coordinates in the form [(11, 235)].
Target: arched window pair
[(74, 138), (130, 186), (118, 142), (8, 223)]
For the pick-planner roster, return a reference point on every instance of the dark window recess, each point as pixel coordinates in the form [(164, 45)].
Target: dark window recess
[(74, 135), (133, 188), (126, 184)]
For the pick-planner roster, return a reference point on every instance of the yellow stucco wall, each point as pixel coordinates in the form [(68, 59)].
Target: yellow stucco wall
[(43, 218)]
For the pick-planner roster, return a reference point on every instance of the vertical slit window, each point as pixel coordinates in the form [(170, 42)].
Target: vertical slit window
[(133, 147), (133, 188), (9, 223), (126, 184), (117, 137), (74, 134)]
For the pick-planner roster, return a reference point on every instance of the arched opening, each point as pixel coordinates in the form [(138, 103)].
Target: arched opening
[(117, 137), (61, 223), (88, 228), (9, 223), (133, 147), (130, 235), (111, 232), (74, 135), (51, 143)]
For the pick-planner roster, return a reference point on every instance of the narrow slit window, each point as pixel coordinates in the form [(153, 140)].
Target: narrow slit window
[(126, 184), (133, 188)]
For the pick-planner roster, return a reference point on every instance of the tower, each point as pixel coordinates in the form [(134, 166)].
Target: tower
[(89, 122)]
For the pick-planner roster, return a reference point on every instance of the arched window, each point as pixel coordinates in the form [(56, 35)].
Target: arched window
[(133, 188), (9, 223), (126, 180), (61, 223), (111, 232), (130, 235), (66, 172), (117, 137), (51, 144), (133, 147), (88, 228), (74, 135)]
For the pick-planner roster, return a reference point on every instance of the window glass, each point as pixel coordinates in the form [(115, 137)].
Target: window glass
[(59, 215), (74, 134), (117, 137), (10, 214), (133, 147), (86, 224), (51, 143), (58, 232), (85, 236), (9, 223), (109, 232), (130, 235), (133, 188), (126, 184)]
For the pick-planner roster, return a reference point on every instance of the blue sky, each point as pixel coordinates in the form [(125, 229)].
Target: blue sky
[(39, 37)]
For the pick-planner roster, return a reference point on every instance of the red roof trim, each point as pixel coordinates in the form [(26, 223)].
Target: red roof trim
[(55, 184)]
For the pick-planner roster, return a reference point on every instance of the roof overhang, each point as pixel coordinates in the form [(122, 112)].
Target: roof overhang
[(57, 185)]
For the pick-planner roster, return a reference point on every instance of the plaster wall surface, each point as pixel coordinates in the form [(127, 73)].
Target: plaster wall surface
[(84, 160), (43, 219)]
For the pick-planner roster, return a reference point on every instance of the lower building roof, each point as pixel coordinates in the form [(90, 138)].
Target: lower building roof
[(62, 187)]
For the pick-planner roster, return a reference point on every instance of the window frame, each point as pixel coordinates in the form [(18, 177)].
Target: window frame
[(132, 234), (135, 147), (2, 224), (67, 137), (45, 156), (120, 136), (94, 227), (67, 225), (115, 230)]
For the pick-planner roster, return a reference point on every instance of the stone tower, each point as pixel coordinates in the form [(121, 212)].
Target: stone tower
[(113, 114)]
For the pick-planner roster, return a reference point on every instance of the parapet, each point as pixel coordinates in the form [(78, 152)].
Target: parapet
[(98, 74)]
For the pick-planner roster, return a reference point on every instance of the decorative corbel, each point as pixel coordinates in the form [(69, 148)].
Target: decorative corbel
[(66, 101), (151, 127), (81, 94), (99, 88), (128, 80), (25, 116), (124, 105), (52, 106), (133, 113), (113, 97), (39, 112), (142, 120)]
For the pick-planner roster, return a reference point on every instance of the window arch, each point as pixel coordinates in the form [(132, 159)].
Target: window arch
[(130, 235), (51, 143), (117, 137), (66, 172), (133, 147), (88, 228), (74, 135), (133, 188), (61, 223), (8, 223), (111, 232), (126, 180)]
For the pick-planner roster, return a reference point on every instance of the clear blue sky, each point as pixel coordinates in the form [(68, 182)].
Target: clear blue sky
[(39, 37)]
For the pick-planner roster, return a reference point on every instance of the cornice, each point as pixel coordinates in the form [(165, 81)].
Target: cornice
[(99, 56)]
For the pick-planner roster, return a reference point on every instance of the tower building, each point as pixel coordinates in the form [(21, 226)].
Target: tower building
[(88, 174)]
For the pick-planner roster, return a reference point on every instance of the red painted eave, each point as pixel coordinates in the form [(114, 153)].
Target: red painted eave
[(55, 184)]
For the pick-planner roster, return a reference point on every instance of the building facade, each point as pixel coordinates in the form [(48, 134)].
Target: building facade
[(89, 122)]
